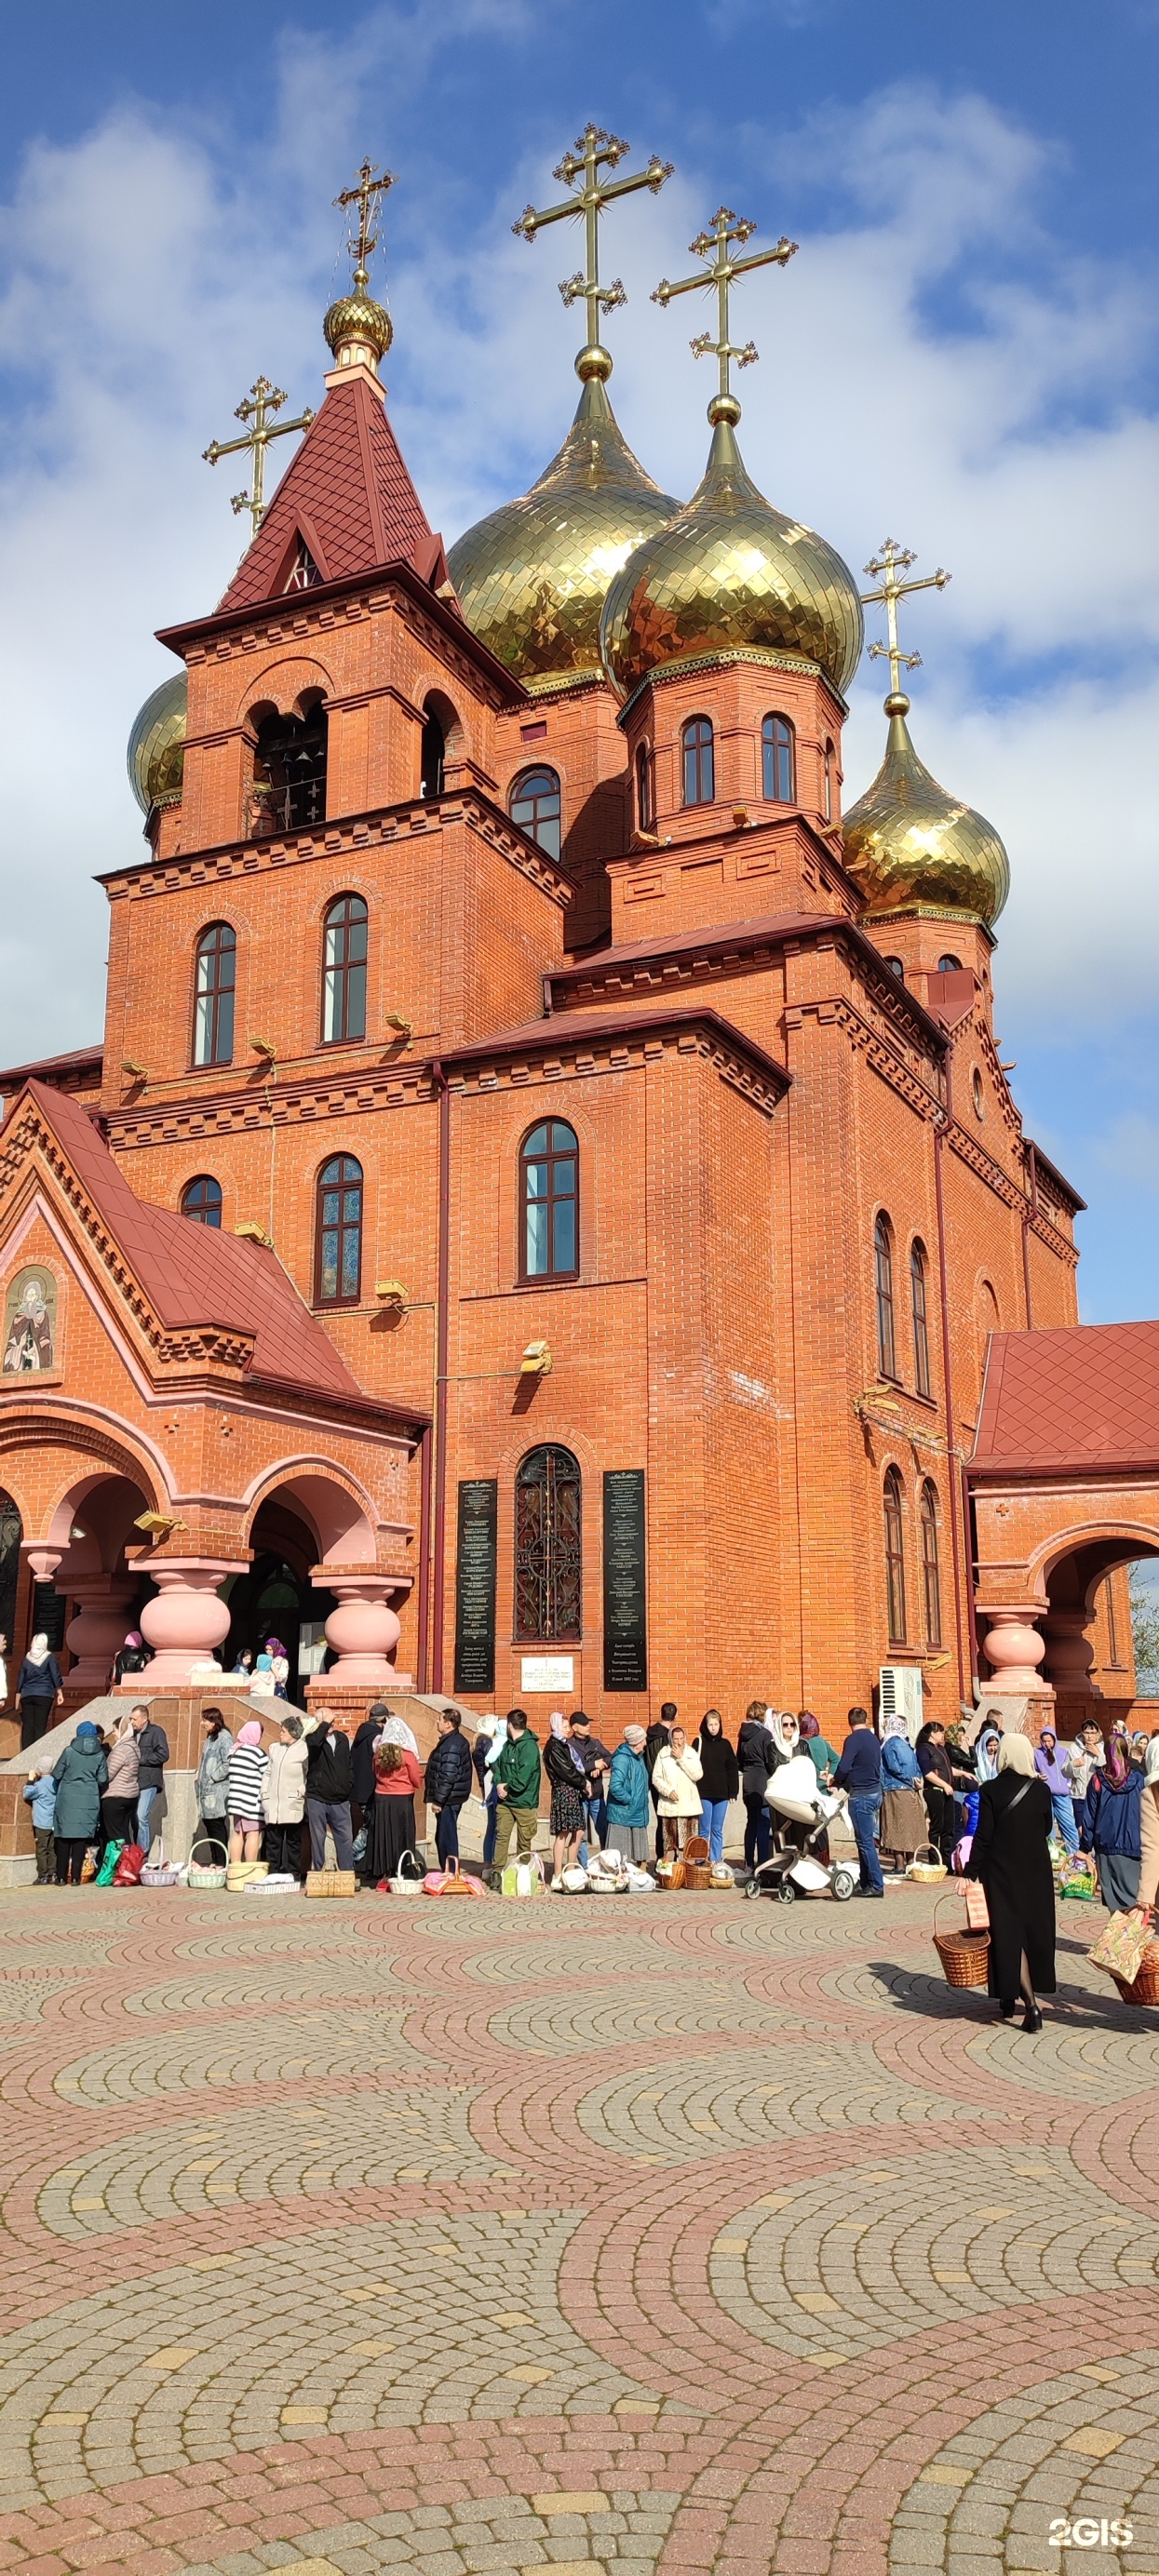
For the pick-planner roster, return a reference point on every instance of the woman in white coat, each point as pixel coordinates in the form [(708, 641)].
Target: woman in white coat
[(674, 1778)]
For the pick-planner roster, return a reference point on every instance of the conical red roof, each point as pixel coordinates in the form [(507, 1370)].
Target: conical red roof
[(347, 494)]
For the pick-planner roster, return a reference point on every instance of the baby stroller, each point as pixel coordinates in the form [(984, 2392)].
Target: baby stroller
[(795, 1794)]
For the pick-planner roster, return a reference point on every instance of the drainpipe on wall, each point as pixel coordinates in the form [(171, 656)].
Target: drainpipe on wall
[(424, 1556), (439, 1581), (947, 1382)]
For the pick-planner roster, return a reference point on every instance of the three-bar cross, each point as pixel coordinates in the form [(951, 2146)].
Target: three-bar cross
[(262, 400), (367, 196), (892, 561), (716, 248), (594, 151)]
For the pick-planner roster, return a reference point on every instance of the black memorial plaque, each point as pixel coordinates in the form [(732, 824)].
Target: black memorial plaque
[(475, 1585), (625, 1591)]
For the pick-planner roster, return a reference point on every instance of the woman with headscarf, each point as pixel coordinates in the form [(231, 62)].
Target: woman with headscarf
[(132, 1656), (629, 1830), (38, 1684), (566, 1769), (675, 1779), (119, 1802), (80, 1773), (1110, 1827), (395, 1730), (987, 1749), (211, 1788), (1049, 1768), (719, 1779), (902, 1828), (398, 1777), (245, 1789), (1011, 1857), (279, 1665), (1148, 1830)]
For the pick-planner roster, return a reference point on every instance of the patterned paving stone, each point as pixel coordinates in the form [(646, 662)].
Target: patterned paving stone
[(235, 2052), (713, 2106)]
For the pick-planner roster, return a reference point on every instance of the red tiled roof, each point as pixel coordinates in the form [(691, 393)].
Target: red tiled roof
[(194, 1274), (1066, 1400), (570, 1028), (76, 1061), (348, 492)]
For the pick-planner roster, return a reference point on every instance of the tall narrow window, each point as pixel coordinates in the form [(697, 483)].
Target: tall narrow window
[(548, 1546), (777, 761), (896, 967), (213, 995), (829, 789), (201, 1199), (344, 970), (338, 1251), (643, 789), (931, 1572), (290, 771), (433, 755), (549, 1201), (883, 1281), (535, 806), (699, 762), (917, 1278), (893, 1498), (1112, 1625)]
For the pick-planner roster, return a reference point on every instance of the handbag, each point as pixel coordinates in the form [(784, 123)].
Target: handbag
[(523, 1877), (160, 1872), (574, 1880), (331, 1882), (1120, 1947), (129, 1867), (405, 1882)]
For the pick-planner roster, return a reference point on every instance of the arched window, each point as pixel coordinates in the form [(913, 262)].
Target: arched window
[(338, 1252), (344, 970), (699, 762), (201, 1199), (893, 1498), (931, 1573), (949, 965), (433, 754), (777, 761), (643, 789), (535, 806), (829, 789), (213, 995), (883, 1283), (896, 967), (549, 1202), (290, 770), (917, 1281), (548, 1546)]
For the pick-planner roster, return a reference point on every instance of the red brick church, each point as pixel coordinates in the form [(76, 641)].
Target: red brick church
[(549, 1185)]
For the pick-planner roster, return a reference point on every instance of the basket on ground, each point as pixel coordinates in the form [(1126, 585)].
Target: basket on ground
[(965, 1955), (927, 1866), (208, 1875), (697, 1866)]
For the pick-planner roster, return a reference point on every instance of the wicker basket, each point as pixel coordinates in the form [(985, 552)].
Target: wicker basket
[(927, 1872), (1145, 1989), (697, 1866), (965, 1956)]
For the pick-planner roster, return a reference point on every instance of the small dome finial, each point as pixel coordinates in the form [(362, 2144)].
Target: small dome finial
[(358, 330)]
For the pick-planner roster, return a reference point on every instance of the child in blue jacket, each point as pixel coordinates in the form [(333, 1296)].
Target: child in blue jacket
[(40, 1795)]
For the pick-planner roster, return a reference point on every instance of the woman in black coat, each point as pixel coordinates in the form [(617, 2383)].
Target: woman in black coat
[(1010, 1855)]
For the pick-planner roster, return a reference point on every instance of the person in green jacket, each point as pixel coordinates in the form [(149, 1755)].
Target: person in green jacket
[(821, 1753), (516, 1777), (80, 1773)]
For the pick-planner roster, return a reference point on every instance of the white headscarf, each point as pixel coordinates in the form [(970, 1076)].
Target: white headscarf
[(39, 1651), (396, 1731), (987, 1762), (557, 1724), (778, 1722), (1015, 1753), (894, 1724), (498, 1726)]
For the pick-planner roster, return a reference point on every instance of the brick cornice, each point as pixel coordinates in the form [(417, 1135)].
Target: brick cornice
[(384, 827), (835, 1012), (299, 615), (622, 1041), (319, 1094)]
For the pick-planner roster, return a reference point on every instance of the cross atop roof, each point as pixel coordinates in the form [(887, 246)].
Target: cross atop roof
[(889, 564), (715, 247), (594, 151)]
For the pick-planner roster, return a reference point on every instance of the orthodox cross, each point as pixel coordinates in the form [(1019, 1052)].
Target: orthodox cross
[(594, 151), (367, 196), (888, 566), (262, 400), (716, 248)]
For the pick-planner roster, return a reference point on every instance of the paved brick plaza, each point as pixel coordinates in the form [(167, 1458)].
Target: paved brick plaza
[(684, 2233)]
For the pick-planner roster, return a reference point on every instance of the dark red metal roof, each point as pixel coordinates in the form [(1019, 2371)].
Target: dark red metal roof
[(1068, 1399)]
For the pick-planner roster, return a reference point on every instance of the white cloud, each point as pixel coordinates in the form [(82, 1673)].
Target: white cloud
[(149, 284)]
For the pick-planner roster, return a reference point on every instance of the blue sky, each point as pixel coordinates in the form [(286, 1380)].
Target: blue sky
[(963, 355)]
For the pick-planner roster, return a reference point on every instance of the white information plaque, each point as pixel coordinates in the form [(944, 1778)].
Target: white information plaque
[(547, 1673)]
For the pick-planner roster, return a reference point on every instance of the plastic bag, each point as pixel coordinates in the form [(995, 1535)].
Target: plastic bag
[(1120, 1947), (523, 1877), (130, 1865), (108, 1865)]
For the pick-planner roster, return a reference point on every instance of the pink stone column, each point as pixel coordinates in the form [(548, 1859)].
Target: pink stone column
[(187, 1620), (362, 1630), (98, 1628), (1071, 1653), (1013, 1647)]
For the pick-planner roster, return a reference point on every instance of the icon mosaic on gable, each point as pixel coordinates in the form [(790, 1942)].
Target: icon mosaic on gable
[(30, 1334)]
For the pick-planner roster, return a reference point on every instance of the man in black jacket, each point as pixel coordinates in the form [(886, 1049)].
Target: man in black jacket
[(152, 1756), (328, 1785), (447, 1785)]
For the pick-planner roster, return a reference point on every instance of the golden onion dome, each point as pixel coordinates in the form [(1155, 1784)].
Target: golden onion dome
[(156, 753), (911, 847), (358, 323), (532, 577), (732, 575)]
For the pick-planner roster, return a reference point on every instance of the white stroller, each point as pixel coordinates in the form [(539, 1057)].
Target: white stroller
[(795, 1794)]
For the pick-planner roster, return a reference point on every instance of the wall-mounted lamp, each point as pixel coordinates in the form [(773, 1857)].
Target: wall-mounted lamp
[(252, 1233), (536, 1360), (391, 1291), (158, 1525), (740, 816), (403, 1028), (262, 1046), (129, 1064)]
